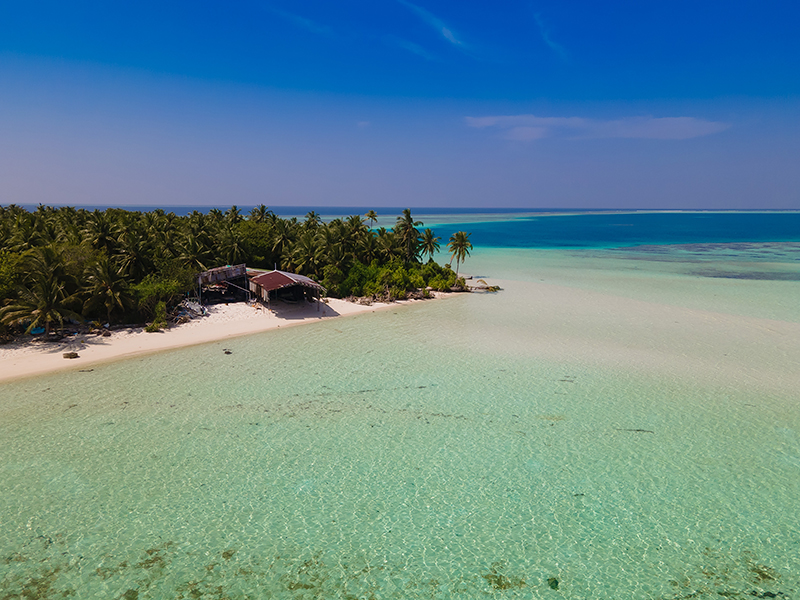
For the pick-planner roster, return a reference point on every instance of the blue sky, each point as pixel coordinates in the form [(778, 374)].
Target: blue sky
[(399, 103)]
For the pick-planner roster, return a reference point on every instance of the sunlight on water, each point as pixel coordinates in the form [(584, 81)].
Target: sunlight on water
[(479, 446)]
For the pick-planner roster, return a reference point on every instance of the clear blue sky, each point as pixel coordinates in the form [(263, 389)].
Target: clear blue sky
[(399, 103)]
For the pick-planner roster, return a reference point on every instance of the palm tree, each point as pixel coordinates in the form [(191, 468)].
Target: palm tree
[(408, 234), (284, 236), (106, 287), (386, 244), (460, 247), (430, 243), (372, 217), (193, 252), (40, 304), (133, 252), (230, 245), (233, 215), (259, 214), (367, 247), (306, 254), (24, 234), (101, 231), (313, 220)]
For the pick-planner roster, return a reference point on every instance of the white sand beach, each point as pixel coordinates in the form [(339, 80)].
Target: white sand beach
[(25, 358)]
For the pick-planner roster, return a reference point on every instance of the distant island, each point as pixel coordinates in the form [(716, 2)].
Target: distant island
[(61, 264)]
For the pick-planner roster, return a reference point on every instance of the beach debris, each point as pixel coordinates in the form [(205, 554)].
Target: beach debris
[(70, 355), (552, 582), (484, 287), (227, 351)]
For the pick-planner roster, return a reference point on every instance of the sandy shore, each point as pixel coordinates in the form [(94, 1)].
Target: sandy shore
[(27, 358)]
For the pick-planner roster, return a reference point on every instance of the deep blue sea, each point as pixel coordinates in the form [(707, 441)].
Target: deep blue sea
[(610, 230), (558, 228)]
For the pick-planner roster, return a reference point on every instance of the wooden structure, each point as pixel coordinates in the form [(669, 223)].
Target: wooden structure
[(262, 284), (222, 276)]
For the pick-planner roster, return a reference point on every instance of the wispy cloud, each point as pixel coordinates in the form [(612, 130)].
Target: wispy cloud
[(410, 46), (433, 21), (545, 33), (303, 23), (531, 127)]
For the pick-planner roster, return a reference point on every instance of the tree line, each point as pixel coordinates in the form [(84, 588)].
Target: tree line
[(115, 265)]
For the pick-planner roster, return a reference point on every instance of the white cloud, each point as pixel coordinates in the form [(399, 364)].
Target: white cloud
[(433, 21), (303, 23), (531, 127), (410, 46), (543, 31)]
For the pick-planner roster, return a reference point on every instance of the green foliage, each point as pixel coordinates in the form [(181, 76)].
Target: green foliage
[(459, 246), (156, 289), (332, 279), (120, 264), (159, 318), (256, 241), (107, 289), (10, 273)]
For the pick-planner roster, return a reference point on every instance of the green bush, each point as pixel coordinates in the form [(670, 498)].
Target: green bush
[(159, 318), (332, 279), (10, 273)]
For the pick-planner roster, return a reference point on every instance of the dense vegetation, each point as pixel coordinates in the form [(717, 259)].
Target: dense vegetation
[(116, 265)]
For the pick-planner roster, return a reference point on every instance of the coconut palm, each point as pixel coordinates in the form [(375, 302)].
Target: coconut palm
[(193, 252), (408, 234), (39, 305), (304, 254), (386, 244), (230, 245), (372, 217), (460, 247), (366, 248), (259, 214), (313, 220), (133, 252), (430, 243), (233, 215), (106, 288), (101, 231), (24, 234), (283, 236)]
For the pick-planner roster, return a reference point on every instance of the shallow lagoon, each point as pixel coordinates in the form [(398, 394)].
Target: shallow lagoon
[(612, 424)]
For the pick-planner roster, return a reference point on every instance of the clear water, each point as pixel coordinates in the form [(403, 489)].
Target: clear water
[(636, 437)]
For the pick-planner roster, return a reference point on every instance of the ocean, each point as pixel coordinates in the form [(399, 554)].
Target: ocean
[(622, 420)]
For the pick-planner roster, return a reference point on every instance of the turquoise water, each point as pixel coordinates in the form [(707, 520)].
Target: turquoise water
[(613, 424)]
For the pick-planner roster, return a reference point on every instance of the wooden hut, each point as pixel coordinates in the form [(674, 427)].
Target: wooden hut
[(273, 281)]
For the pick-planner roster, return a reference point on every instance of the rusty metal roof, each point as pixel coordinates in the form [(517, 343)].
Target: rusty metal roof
[(222, 274), (275, 280)]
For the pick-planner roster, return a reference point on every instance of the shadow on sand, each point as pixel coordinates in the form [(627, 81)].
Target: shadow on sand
[(301, 310)]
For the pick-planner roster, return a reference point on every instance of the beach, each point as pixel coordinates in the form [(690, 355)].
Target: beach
[(26, 358)]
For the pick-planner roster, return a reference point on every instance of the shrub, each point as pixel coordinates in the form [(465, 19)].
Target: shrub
[(160, 318)]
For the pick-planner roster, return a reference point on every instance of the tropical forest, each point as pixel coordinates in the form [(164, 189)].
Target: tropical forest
[(64, 264)]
